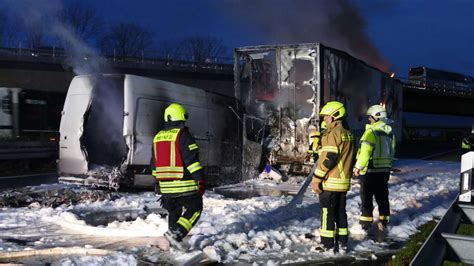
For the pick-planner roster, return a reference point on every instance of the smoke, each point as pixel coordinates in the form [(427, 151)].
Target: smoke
[(41, 20), (103, 137), (336, 23)]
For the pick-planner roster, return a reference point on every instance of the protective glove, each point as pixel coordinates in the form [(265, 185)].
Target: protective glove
[(316, 185), (201, 187)]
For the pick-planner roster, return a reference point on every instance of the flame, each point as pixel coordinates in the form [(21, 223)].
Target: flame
[(392, 75)]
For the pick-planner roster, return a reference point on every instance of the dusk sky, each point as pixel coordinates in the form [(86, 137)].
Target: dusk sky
[(406, 33), (434, 33)]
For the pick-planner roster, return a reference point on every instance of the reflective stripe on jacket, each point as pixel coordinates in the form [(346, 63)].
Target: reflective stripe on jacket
[(377, 148), (176, 161), (465, 144), (335, 158)]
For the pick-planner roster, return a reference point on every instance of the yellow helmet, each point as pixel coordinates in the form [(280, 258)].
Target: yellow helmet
[(334, 109), (175, 112)]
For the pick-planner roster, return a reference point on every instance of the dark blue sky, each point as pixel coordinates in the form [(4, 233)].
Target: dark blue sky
[(434, 33)]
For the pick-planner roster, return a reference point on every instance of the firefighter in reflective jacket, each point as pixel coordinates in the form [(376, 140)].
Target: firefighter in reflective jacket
[(467, 143), (178, 173), (332, 177), (373, 164)]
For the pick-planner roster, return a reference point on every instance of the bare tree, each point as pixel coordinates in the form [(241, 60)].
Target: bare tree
[(127, 39), (82, 19), (202, 48)]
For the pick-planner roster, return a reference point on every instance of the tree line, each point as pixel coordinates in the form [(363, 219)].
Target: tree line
[(123, 38)]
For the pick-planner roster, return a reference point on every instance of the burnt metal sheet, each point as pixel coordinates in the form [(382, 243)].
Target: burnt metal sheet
[(114, 123), (282, 88), (72, 158), (358, 86)]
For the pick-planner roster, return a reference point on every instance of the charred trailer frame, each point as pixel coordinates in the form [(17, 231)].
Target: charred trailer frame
[(109, 121), (283, 87)]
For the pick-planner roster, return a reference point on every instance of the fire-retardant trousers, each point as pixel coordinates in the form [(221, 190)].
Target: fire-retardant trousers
[(374, 184), (333, 218), (184, 212)]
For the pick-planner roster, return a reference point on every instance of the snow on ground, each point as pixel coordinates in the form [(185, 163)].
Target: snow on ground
[(119, 259), (257, 229)]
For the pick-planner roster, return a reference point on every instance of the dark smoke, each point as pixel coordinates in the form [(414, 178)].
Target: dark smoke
[(336, 23)]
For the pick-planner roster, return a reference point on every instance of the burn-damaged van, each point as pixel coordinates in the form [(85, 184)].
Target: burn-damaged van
[(109, 121), (283, 87)]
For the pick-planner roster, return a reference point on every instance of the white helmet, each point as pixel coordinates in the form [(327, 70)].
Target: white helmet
[(377, 111)]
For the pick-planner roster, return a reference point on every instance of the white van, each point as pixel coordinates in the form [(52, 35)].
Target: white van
[(108, 123)]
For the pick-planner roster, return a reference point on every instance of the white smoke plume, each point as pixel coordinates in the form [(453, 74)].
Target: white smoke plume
[(106, 115), (44, 15)]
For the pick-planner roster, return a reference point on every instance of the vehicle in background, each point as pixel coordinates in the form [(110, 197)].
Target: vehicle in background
[(442, 81), (29, 115), (437, 105), (109, 121)]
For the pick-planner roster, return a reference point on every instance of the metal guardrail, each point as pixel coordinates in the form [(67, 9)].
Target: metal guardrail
[(28, 150), (147, 58), (443, 242)]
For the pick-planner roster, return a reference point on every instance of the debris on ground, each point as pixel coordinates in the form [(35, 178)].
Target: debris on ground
[(52, 197)]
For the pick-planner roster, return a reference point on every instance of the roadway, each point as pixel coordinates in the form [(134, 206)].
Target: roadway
[(10, 182)]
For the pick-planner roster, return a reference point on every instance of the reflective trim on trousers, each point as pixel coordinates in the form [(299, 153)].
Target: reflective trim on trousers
[(327, 233), (366, 219), (184, 223), (342, 231)]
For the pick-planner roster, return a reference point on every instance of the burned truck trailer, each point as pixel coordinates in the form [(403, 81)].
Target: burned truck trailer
[(109, 121), (283, 87)]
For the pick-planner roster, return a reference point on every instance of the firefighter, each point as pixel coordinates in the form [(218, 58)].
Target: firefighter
[(332, 177), (178, 172), (315, 139), (373, 163), (467, 143)]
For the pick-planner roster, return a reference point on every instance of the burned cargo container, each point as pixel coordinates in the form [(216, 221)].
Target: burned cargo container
[(283, 87), (109, 121)]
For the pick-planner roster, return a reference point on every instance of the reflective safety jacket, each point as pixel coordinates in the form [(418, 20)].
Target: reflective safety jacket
[(314, 144), (466, 144), (377, 148), (176, 160), (335, 158)]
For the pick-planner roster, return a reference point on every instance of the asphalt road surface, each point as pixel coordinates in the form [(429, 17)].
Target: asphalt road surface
[(9, 182)]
